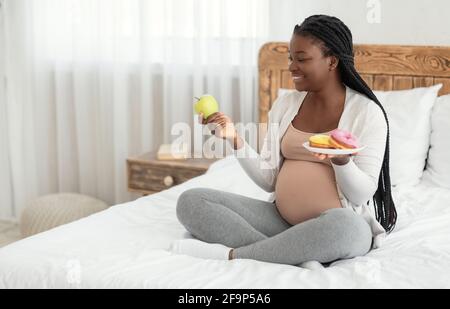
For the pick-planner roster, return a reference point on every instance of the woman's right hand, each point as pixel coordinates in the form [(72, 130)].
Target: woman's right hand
[(221, 125)]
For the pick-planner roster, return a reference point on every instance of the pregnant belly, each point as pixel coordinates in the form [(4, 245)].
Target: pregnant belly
[(304, 190)]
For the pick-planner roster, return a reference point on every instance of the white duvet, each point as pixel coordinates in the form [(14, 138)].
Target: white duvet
[(125, 247)]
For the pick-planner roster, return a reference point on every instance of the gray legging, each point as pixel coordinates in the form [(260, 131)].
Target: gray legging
[(255, 229)]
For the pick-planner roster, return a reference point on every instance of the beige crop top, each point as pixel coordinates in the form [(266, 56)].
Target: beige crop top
[(305, 186)]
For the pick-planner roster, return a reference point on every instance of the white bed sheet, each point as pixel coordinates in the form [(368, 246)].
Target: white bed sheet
[(125, 247)]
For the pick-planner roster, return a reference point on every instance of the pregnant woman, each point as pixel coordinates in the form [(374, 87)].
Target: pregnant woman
[(322, 207)]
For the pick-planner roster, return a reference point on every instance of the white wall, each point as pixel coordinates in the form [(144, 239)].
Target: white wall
[(407, 22)]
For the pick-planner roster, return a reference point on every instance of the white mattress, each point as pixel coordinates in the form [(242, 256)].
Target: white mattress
[(125, 247)]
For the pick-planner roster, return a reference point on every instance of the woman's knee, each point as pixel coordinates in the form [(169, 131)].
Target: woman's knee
[(350, 231), (188, 204)]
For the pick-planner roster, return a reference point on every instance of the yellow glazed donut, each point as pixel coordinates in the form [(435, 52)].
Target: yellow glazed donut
[(320, 141)]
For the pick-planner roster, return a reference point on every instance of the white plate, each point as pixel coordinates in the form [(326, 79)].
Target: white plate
[(332, 151)]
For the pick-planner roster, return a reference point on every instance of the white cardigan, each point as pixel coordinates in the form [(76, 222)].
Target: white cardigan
[(357, 181)]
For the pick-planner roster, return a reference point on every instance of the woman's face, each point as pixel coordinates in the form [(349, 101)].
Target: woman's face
[(310, 69)]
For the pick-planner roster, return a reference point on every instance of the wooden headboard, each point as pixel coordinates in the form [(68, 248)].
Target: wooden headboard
[(383, 67)]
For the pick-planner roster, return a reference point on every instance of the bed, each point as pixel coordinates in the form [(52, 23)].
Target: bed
[(125, 245)]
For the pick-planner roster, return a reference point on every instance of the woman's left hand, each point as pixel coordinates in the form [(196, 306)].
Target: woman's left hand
[(336, 159), (322, 156)]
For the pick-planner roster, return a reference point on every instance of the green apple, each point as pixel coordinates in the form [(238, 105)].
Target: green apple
[(207, 105)]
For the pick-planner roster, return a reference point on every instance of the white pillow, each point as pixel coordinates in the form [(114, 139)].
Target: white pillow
[(409, 114), (437, 170)]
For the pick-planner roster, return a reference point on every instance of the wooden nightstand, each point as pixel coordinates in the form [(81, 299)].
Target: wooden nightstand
[(148, 175)]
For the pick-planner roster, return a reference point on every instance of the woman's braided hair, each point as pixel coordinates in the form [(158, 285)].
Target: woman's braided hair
[(335, 39)]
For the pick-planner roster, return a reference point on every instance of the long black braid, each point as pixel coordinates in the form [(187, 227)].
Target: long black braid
[(335, 38)]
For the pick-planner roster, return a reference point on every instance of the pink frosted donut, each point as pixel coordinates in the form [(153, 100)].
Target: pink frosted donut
[(342, 139)]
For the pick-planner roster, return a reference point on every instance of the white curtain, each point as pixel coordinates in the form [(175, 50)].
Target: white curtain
[(91, 82), (6, 202)]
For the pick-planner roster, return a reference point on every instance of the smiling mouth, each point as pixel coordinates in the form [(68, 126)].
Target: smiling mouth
[(297, 78)]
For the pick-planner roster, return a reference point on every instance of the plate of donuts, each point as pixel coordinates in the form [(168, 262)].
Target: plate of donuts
[(333, 151), (339, 142)]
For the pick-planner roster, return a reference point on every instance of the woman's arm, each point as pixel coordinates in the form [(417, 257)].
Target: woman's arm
[(358, 178), (260, 168), (357, 186)]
